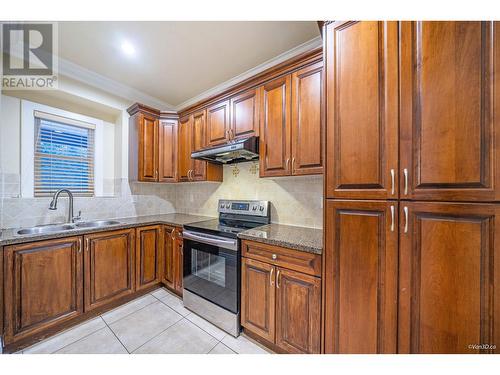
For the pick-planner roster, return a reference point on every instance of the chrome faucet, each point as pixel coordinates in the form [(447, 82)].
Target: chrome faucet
[(53, 205)]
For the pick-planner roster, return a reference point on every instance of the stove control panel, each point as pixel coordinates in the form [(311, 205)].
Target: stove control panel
[(244, 207)]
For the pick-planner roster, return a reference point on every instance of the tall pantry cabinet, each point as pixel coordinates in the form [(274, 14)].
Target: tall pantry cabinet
[(412, 253)]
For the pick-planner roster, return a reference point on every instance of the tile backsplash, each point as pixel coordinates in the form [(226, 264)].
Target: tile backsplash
[(294, 200)]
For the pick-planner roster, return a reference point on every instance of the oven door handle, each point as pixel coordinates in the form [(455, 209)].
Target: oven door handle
[(211, 240)]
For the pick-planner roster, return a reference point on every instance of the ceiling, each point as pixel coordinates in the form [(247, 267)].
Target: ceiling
[(176, 61)]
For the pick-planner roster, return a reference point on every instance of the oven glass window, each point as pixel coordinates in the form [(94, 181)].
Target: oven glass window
[(209, 267)]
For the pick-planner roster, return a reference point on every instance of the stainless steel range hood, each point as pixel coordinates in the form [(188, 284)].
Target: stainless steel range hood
[(229, 153)]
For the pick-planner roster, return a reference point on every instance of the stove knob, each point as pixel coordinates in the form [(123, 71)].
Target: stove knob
[(228, 205), (222, 206), (254, 208), (262, 208)]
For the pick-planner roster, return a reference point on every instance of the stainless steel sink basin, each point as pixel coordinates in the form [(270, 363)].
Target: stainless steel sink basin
[(46, 229), (97, 223)]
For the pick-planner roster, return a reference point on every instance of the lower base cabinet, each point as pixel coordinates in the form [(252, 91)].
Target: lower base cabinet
[(280, 305), (149, 248), (43, 286), (172, 259), (109, 260)]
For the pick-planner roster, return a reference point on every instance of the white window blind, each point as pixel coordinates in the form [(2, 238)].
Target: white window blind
[(64, 156)]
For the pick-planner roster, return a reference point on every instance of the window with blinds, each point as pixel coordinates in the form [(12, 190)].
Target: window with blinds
[(64, 156)]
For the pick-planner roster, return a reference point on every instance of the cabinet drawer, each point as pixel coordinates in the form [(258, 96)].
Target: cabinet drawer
[(293, 259)]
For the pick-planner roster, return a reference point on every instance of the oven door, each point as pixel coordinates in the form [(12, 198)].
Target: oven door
[(212, 268)]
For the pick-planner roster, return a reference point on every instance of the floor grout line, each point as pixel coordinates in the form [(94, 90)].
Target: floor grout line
[(155, 336), (114, 334), (81, 338), (133, 312)]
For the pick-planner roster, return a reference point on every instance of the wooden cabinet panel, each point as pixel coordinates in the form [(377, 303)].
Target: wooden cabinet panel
[(149, 242), (362, 110), (307, 120), (199, 167), (43, 284), (449, 273), (258, 298), (245, 114), (172, 259), (148, 148), (185, 147), (298, 312), (168, 149), (218, 123), (449, 127), (360, 277), (109, 267), (275, 141)]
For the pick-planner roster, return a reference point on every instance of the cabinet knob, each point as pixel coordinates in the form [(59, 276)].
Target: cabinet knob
[(275, 256)]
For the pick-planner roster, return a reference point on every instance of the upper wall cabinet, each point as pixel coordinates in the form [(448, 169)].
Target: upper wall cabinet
[(245, 114), (291, 121), (362, 117), (218, 127), (450, 131), (152, 145)]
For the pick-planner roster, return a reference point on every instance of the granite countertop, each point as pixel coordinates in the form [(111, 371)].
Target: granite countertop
[(10, 236), (298, 238)]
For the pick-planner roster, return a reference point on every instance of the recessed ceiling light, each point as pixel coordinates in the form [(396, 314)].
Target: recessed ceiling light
[(128, 48)]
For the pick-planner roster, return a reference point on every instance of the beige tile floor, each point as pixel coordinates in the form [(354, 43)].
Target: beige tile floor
[(153, 323)]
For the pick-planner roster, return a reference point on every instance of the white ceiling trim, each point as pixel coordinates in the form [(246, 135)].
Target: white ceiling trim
[(79, 73), (301, 48)]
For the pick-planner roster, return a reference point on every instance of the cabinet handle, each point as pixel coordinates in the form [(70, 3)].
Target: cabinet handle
[(287, 162), (172, 235), (405, 209), (293, 163), (271, 277), (156, 174), (278, 279), (392, 181), (79, 245), (392, 218), (189, 174), (87, 244), (405, 173)]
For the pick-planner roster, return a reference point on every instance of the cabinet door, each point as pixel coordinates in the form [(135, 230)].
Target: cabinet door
[(218, 123), (450, 130), (109, 267), (258, 298), (360, 277), (298, 312), (199, 167), (148, 148), (43, 284), (149, 242), (275, 145), (245, 114), (168, 256), (362, 110), (168, 149), (307, 120), (449, 278), (185, 146)]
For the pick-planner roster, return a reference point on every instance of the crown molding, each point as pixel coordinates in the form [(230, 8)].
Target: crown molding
[(300, 49), (81, 74)]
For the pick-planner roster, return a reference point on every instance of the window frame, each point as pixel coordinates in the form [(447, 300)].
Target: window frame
[(28, 110)]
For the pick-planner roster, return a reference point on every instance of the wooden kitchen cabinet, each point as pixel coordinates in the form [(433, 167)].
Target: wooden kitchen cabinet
[(258, 296), (191, 138), (307, 120), (245, 114), (109, 262), (167, 151), (275, 129), (172, 259), (152, 145), (362, 110), (298, 307), (450, 127), (43, 286), (281, 305), (218, 125), (360, 277), (449, 277), (149, 244)]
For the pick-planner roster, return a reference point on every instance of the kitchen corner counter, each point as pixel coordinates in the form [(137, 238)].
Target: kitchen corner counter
[(10, 236), (299, 238)]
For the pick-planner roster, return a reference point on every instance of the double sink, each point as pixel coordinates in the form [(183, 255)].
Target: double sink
[(54, 228)]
